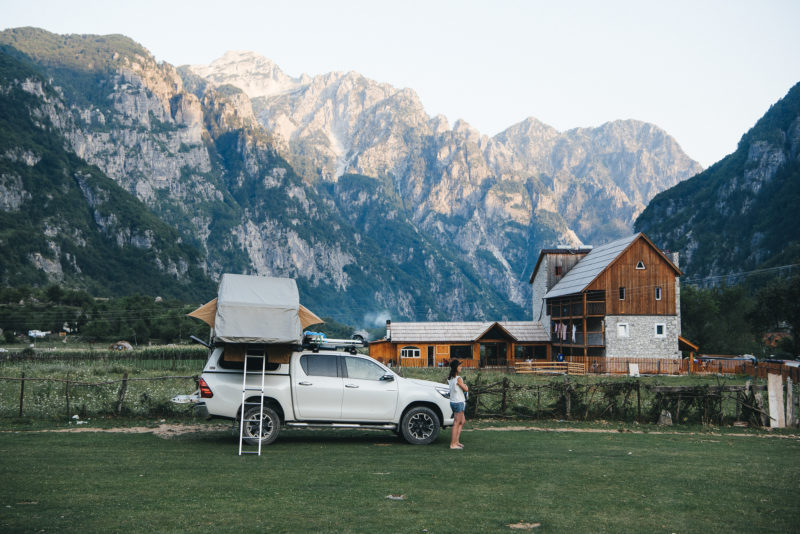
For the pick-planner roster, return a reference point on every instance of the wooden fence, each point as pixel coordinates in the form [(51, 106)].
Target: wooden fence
[(542, 368), (621, 366)]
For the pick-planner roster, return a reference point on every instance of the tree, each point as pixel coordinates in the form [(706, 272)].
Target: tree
[(718, 319), (778, 308)]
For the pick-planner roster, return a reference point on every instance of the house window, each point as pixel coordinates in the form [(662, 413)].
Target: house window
[(661, 330), (559, 270), (623, 330), (640, 265), (658, 293), (409, 352), (621, 292)]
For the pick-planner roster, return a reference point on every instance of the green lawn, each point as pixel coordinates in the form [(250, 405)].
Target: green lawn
[(338, 481)]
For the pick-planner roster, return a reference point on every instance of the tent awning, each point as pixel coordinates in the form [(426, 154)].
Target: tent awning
[(256, 309), (208, 311)]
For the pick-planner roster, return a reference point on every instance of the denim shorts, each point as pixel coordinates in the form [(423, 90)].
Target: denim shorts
[(457, 406)]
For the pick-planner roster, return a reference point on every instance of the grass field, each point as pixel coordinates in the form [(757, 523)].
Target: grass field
[(338, 481)]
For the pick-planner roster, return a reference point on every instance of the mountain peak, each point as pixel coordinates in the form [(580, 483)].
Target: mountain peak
[(251, 72)]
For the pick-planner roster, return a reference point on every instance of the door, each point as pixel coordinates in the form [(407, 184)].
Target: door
[(318, 388), (367, 395), (431, 359)]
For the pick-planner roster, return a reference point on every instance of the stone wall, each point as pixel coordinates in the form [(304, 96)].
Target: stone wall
[(641, 341)]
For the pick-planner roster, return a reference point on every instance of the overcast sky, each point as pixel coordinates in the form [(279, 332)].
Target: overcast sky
[(704, 71)]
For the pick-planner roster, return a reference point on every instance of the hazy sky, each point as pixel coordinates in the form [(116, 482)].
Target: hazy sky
[(704, 71)]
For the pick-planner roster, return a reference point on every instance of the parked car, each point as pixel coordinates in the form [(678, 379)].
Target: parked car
[(320, 388)]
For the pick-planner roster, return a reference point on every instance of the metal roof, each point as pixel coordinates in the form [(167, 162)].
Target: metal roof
[(589, 267), (442, 332)]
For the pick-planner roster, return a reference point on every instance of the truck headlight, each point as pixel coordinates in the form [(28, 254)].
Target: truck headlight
[(444, 392)]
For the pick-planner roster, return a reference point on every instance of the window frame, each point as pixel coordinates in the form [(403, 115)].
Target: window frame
[(663, 333), (658, 292), (411, 348), (304, 360), (640, 266), (622, 292), (346, 370), (623, 330)]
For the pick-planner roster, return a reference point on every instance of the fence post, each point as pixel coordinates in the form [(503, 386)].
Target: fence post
[(568, 396), (638, 401), (789, 403), (21, 393), (538, 401), (121, 396), (503, 402), (66, 393)]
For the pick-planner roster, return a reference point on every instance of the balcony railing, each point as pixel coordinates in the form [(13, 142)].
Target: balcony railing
[(595, 308), (575, 308), (592, 338)]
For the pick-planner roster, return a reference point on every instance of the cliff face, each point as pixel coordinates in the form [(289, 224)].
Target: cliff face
[(497, 199), (741, 213), (64, 221), (341, 182)]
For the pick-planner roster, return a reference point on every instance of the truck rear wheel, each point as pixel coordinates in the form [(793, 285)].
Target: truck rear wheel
[(420, 426), (270, 425)]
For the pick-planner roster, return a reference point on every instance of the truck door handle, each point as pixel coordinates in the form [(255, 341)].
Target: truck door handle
[(305, 384), (350, 386)]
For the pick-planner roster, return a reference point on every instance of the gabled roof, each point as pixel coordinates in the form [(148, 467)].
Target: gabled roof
[(441, 332), (597, 261), (589, 267)]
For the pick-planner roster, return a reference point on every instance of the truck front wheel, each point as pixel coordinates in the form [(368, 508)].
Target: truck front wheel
[(270, 425), (420, 426)]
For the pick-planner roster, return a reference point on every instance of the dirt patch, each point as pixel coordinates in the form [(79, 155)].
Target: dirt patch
[(163, 430), (625, 431)]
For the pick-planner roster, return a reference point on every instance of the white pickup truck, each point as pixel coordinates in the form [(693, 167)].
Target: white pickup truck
[(319, 387)]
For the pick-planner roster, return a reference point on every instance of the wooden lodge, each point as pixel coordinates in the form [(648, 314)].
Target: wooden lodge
[(476, 344), (621, 299)]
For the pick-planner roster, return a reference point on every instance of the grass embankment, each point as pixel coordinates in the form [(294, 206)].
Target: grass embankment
[(338, 481)]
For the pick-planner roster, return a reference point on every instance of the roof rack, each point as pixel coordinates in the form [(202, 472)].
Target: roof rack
[(318, 340)]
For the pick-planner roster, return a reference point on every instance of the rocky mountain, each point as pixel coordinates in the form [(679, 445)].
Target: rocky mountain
[(109, 244), (339, 181), (207, 168), (741, 213), (498, 199)]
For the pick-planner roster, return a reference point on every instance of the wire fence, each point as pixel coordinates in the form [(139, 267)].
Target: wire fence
[(626, 400), (55, 397)]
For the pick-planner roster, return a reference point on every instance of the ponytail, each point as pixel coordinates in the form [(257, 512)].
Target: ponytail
[(454, 369)]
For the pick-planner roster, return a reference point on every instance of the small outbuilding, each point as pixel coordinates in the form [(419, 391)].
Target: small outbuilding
[(476, 344)]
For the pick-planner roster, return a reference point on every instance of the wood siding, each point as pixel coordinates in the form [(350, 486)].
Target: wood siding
[(561, 263), (640, 284)]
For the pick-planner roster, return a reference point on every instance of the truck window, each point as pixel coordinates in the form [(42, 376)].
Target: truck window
[(363, 369), (320, 364)]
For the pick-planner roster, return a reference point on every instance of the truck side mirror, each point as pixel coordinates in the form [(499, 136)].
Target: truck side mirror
[(387, 376)]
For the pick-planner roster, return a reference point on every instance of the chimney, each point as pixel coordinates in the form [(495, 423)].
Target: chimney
[(388, 329)]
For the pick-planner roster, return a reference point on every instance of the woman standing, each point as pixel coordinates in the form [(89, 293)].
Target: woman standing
[(458, 402)]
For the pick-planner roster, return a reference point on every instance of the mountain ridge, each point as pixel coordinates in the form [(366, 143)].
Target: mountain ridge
[(740, 214), (350, 186)]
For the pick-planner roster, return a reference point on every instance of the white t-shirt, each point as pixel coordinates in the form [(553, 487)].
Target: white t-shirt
[(456, 393)]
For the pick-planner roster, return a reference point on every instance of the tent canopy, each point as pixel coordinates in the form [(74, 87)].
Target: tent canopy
[(256, 309)]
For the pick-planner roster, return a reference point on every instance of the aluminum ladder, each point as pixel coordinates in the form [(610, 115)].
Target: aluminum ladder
[(245, 404)]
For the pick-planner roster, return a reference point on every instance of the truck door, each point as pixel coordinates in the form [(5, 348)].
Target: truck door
[(367, 395), (318, 387)]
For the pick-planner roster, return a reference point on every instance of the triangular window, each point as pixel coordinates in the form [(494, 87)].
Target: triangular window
[(640, 265)]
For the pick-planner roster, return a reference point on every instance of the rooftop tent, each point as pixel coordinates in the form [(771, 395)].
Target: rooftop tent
[(256, 309)]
